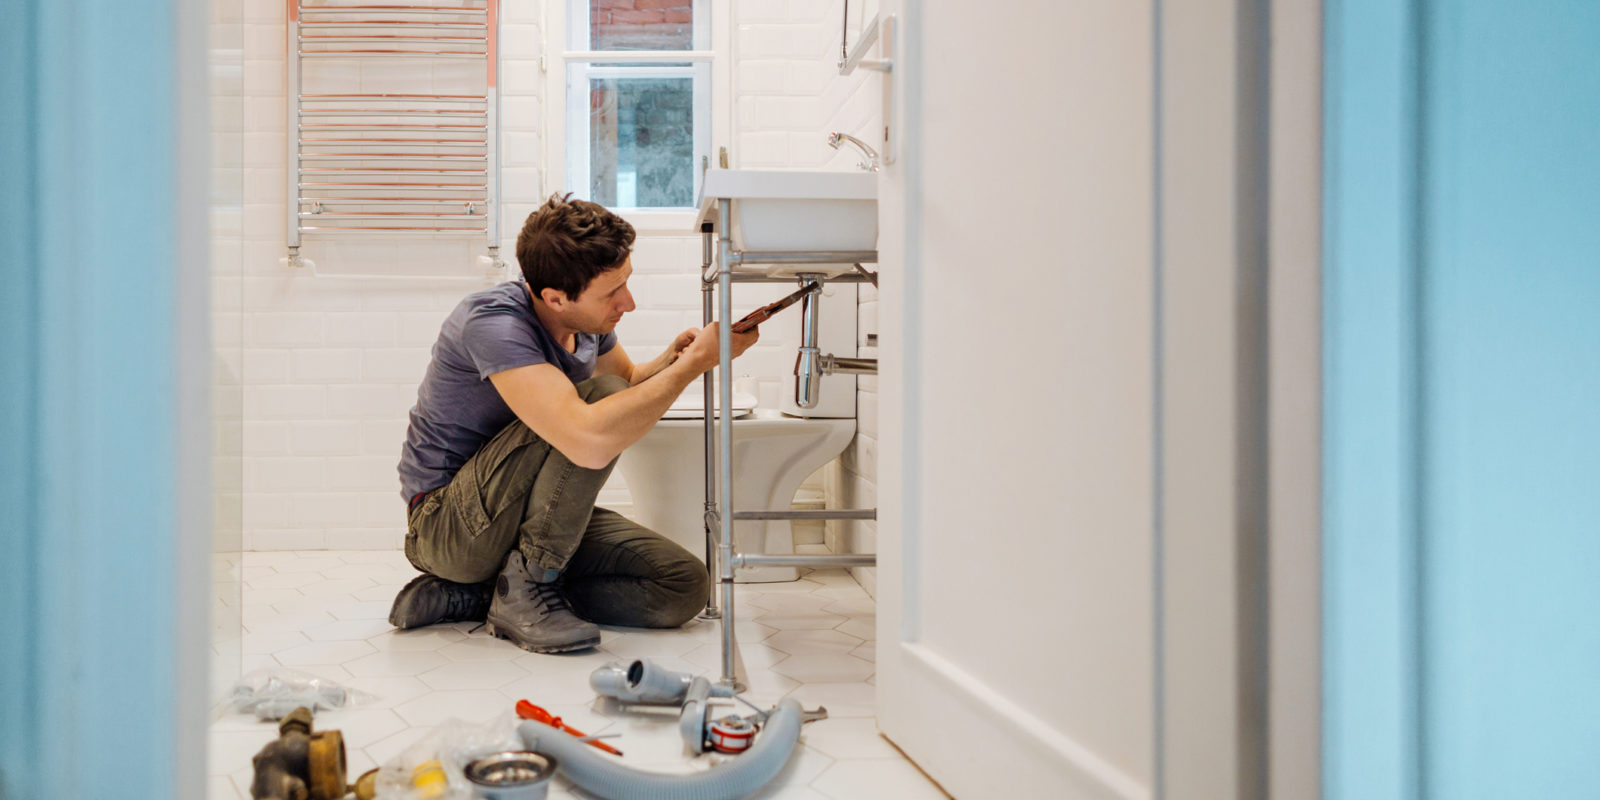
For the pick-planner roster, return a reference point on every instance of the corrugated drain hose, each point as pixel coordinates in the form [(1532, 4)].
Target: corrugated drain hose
[(605, 777)]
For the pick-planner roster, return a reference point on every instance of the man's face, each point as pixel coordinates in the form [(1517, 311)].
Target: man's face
[(603, 302)]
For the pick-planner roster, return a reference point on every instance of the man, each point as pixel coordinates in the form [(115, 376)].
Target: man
[(521, 415)]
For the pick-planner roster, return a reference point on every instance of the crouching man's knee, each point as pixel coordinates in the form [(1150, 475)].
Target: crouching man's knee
[(685, 589), (601, 386)]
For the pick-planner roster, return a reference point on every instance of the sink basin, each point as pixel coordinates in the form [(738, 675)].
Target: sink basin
[(789, 211)]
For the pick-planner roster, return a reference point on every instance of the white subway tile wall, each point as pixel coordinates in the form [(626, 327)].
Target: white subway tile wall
[(331, 360)]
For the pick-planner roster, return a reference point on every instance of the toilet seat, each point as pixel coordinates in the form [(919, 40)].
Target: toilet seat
[(691, 405)]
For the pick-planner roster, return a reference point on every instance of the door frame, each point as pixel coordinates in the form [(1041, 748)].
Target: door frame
[(1238, 527)]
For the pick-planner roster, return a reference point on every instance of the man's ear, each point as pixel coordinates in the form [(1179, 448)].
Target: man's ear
[(554, 298)]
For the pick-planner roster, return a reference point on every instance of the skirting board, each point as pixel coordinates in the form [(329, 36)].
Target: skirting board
[(1035, 757)]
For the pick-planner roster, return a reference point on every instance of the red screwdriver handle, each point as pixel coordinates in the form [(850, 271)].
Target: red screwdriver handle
[(527, 710)]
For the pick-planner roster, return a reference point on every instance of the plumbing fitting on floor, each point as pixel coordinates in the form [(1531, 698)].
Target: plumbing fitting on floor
[(736, 778), (300, 764), (644, 683)]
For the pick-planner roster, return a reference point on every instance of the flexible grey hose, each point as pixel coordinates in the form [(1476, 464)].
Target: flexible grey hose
[(604, 776)]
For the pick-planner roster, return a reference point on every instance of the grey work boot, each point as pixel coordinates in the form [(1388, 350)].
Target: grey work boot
[(429, 599), (533, 615)]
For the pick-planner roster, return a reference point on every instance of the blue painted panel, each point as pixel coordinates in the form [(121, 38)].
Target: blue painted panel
[(1370, 577), (1511, 680), (90, 558), (1462, 372), (17, 399)]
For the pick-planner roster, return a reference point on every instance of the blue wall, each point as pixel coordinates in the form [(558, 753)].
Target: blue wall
[(97, 687), (1462, 379)]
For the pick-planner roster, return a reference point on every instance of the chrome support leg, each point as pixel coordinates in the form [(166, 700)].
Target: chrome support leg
[(725, 471), (711, 515)]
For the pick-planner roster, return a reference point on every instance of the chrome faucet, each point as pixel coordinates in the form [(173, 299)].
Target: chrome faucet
[(837, 138)]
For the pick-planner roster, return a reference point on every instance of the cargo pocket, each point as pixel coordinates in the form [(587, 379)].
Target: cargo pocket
[(464, 497)]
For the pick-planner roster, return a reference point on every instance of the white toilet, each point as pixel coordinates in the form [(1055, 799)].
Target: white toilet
[(773, 451), (772, 454)]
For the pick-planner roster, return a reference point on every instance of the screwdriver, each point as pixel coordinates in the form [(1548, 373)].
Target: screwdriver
[(527, 710)]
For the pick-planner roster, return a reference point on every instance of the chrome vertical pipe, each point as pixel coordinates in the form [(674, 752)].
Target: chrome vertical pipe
[(709, 516), (725, 390), (808, 364)]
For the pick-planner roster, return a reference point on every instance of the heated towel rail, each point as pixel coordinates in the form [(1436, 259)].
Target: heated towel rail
[(392, 121)]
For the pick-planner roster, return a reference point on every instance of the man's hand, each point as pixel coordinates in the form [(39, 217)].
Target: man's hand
[(701, 349), (679, 342)]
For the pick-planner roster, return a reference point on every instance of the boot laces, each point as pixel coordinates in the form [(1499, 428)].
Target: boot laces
[(462, 602), (549, 596)]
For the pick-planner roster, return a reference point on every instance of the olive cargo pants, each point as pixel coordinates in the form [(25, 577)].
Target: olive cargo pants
[(518, 491)]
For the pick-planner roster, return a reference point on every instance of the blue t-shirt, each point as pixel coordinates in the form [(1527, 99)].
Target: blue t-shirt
[(458, 410)]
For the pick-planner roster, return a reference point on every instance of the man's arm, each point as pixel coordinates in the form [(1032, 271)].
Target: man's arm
[(592, 434), (616, 361)]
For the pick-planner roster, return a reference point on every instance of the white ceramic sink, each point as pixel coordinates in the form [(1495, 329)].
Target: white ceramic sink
[(789, 211)]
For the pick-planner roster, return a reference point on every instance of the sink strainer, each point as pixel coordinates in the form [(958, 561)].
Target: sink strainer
[(512, 775)]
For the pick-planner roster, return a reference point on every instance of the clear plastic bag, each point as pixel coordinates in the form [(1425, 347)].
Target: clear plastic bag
[(271, 694), (451, 745)]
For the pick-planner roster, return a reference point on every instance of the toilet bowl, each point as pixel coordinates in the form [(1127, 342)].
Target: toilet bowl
[(772, 454)]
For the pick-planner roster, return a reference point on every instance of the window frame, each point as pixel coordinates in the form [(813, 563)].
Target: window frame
[(562, 29)]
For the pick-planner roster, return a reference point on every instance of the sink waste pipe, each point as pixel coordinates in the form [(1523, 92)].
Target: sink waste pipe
[(643, 682), (605, 777)]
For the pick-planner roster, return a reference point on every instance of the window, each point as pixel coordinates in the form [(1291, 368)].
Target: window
[(634, 85)]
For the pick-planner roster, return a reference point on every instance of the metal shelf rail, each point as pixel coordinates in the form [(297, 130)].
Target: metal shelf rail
[(721, 559), (388, 163)]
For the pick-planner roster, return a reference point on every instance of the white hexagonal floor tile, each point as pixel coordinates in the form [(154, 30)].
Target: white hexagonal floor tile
[(847, 738), (372, 609), (390, 690), (267, 597), (812, 642), (308, 564), (430, 638), (801, 586), (436, 707), (541, 690), (803, 767), (862, 606), (791, 604), (648, 644), (876, 778), (324, 653), (325, 587), (382, 750), (756, 655), (347, 630), (387, 663), (472, 675), (480, 647), (263, 619), (281, 580), (271, 642), (861, 627), (583, 662), (842, 700), (868, 651), (836, 668), (801, 621)]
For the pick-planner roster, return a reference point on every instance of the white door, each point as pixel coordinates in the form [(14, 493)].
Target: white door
[(1016, 636)]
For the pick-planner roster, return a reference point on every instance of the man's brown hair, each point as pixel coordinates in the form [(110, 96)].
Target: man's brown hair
[(567, 242)]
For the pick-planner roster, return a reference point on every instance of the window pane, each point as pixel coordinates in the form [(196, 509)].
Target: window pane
[(641, 134), (641, 24)]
